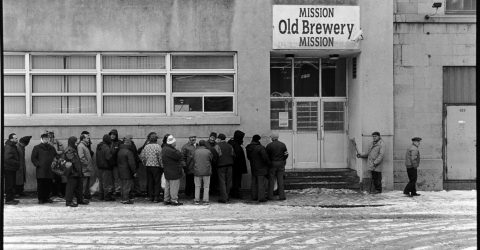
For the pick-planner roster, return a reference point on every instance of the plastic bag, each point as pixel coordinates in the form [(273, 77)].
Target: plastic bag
[(95, 187), (164, 181)]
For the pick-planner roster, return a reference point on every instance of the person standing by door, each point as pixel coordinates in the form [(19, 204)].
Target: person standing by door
[(278, 154), (374, 155), (412, 161)]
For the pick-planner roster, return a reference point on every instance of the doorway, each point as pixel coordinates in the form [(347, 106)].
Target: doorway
[(308, 110)]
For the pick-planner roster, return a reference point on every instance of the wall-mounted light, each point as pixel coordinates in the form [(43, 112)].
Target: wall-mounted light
[(435, 5), (289, 56), (334, 56)]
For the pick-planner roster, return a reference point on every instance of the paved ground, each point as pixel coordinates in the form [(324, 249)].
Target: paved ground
[(308, 219)]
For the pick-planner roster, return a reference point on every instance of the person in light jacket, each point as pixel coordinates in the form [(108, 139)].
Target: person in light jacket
[(375, 155), (74, 174), (412, 161), (87, 164), (202, 170), (21, 174), (42, 157), (173, 170)]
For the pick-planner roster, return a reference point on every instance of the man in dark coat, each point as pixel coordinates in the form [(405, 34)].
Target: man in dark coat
[(412, 161), (74, 175), (42, 157), (173, 170), (239, 164), (259, 163), (278, 154), (215, 149), (224, 171), (11, 164), (126, 168), (188, 150), (105, 168), (21, 174), (115, 147)]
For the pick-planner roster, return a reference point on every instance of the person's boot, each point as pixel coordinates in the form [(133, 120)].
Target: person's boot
[(71, 204)]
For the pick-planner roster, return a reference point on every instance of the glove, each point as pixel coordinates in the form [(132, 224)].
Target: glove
[(358, 155)]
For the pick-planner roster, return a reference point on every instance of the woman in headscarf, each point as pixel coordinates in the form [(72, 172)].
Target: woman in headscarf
[(74, 174)]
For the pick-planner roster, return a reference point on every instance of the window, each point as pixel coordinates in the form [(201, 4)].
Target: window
[(467, 7), (459, 84), (334, 82), (334, 116), (113, 83)]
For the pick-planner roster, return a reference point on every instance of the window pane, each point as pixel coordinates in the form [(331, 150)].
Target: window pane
[(307, 116), (134, 84), (202, 62), (14, 84), (334, 116), (14, 104), (133, 62), (306, 78), (334, 82), (202, 83), (63, 62), (64, 105), (14, 62), (186, 104), (281, 114), (134, 104), (64, 84), (461, 6), (459, 84), (218, 104), (280, 77)]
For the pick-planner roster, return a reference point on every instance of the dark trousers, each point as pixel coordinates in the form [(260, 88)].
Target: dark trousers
[(126, 185), (258, 187), (224, 181), (377, 180), (154, 182), (58, 188), (412, 181), (86, 187), (74, 188), (19, 189), (214, 181), (189, 185), (236, 184), (9, 180), (43, 188), (105, 177), (277, 171)]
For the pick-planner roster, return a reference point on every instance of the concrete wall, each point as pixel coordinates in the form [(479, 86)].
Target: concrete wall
[(421, 48)]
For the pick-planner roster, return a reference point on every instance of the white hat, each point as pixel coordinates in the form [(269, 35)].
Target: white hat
[(171, 139)]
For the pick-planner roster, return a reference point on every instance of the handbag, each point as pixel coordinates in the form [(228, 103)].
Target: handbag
[(58, 166)]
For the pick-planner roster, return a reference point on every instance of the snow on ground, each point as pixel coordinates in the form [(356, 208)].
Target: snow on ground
[(308, 219)]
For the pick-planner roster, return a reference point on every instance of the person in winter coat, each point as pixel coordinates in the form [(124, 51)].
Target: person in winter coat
[(42, 157), (151, 158), (74, 175), (374, 155), (278, 154), (11, 164), (412, 161), (172, 167), (87, 164), (187, 150), (239, 163), (202, 170), (224, 171), (21, 174), (58, 181), (212, 145), (104, 162), (126, 169), (115, 147), (259, 163)]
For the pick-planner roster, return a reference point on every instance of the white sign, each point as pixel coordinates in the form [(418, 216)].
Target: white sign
[(316, 27), (282, 119)]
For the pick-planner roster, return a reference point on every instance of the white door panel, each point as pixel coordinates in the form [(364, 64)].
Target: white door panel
[(287, 138)]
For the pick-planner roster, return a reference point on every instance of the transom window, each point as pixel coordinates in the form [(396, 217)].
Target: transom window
[(466, 7), (107, 83)]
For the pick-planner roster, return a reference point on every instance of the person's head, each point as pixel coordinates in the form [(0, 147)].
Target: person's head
[(72, 141), (416, 141), (171, 141), (44, 138), (202, 143), (192, 139), (256, 138), (238, 136), (25, 140), (85, 138), (150, 135), (274, 136), (153, 138), (165, 137), (50, 134), (128, 139), (212, 137), (106, 139), (222, 137), (113, 134), (376, 136), (13, 137)]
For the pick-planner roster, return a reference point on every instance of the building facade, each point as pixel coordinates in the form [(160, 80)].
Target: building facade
[(323, 74)]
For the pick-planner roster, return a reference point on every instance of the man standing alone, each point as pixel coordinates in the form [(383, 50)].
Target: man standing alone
[(374, 155), (412, 161), (278, 154), (10, 165)]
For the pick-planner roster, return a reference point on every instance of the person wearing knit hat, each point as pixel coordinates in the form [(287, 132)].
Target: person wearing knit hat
[(42, 157), (412, 162), (21, 176), (278, 154), (216, 151), (375, 154), (173, 171), (224, 171), (259, 163), (187, 150)]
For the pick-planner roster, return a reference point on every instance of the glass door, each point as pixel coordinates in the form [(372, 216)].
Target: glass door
[(306, 133), (333, 134)]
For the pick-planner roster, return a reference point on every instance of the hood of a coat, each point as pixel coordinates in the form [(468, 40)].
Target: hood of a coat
[(72, 141), (238, 136), (115, 132)]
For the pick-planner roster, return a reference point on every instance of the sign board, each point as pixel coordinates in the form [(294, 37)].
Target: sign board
[(316, 27), (282, 119)]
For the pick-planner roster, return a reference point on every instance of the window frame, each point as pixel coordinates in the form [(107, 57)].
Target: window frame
[(17, 72), (459, 12)]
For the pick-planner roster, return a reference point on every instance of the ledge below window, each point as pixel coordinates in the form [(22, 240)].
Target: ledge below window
[(438, 18), (119, 120)]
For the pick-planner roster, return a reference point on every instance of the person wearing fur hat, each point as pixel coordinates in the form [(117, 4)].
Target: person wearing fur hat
[(21, 174), (173, 171), (259, 163), (11, 164), (42, 157)]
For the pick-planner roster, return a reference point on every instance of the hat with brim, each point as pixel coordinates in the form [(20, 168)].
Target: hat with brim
[(416, 139)]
